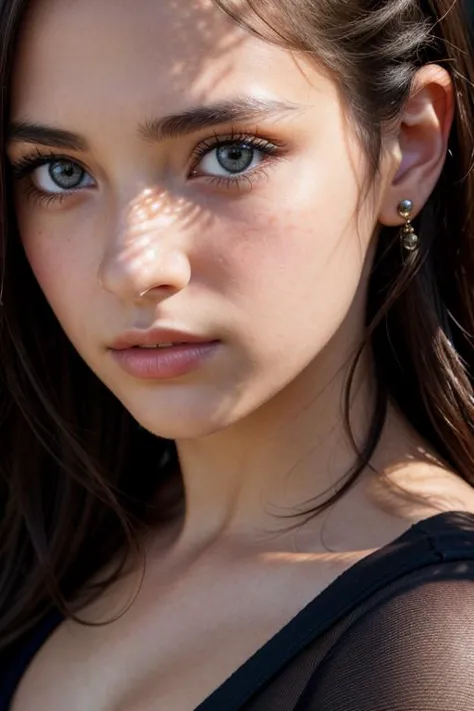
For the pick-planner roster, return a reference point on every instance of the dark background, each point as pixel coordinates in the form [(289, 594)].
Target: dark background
[(470, 9)]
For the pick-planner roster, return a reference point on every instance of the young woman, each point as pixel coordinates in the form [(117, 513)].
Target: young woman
[(236, 446)]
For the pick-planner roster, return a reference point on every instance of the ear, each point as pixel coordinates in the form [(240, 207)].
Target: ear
[(417, 153)]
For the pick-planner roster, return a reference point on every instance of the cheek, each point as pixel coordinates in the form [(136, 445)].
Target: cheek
[(295, 252), (293, 276), (60, 263)]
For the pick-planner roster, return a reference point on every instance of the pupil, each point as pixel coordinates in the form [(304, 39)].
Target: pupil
[(235, 157), (66, 174)]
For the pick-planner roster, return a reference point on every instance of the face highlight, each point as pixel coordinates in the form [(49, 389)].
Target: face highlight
[(176, 172)]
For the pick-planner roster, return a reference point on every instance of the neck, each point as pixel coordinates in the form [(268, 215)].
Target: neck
[(295, 448)]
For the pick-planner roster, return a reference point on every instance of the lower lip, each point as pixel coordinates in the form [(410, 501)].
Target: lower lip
[(164, 363)]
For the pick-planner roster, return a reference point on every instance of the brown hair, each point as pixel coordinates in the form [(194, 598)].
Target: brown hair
[(71, 495)]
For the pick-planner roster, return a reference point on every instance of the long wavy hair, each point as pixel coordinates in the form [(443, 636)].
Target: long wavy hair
[(74, 494)]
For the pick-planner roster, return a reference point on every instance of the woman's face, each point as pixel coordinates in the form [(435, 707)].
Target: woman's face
[(175, 172)]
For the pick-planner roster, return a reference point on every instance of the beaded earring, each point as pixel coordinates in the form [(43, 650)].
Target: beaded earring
[(409, 238)]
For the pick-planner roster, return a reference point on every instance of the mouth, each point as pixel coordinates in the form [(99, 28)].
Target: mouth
[(165, 360), (158, 338), (161, 345)]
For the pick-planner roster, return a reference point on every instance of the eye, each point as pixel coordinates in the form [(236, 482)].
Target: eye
[(58, 176), (230, 159)]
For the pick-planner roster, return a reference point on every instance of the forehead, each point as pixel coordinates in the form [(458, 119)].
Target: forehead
[(130, 56)]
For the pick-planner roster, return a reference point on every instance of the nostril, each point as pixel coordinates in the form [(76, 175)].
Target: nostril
[(162, 290)]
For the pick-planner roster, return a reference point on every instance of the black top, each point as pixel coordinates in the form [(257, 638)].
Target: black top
[(395, 632)]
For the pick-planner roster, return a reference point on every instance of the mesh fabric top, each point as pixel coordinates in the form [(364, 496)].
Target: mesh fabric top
[(395, 632)]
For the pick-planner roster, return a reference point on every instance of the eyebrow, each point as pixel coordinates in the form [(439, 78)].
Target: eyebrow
[(27, 132), (159, 129), (196, 119)]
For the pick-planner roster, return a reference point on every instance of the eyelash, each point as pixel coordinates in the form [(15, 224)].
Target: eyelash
[(23, 168), (269, 149)]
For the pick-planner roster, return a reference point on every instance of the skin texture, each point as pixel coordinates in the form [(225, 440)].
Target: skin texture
[(275, 267)]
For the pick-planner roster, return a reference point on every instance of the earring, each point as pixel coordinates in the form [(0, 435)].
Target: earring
[(408, 236)]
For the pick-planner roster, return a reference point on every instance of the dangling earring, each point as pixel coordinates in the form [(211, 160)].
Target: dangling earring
[(408, 236)]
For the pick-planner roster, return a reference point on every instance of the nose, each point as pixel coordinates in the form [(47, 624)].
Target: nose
[(146, 257)]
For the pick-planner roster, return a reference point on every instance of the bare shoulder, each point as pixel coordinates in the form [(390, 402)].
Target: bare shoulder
[(419, 489), (385, 503), (410, 481), (422, 488)]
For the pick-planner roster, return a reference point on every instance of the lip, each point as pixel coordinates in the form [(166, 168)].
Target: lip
[(161, 363), (155, 336)]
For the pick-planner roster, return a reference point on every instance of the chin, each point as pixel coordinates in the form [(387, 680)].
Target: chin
[(180, 425), (181, 431), (183, 413)]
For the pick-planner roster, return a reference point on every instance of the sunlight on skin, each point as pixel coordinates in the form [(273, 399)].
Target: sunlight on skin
[(154, 208), (266, 262), (147, 221), (275, 274)]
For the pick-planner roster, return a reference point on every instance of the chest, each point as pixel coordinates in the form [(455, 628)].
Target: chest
[(170, 652)]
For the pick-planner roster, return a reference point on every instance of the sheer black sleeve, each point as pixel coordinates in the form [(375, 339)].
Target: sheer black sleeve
[(414, 651)]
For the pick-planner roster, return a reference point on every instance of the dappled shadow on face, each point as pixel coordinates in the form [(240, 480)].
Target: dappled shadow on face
[(154, 208), (197, 36), (197, 44), (152, 244), (153, 215)]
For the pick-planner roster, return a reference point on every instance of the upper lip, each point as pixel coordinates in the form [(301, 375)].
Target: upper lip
[(154, 337)]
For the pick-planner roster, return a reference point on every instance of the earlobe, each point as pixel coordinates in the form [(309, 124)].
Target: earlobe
[(421, 143)]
